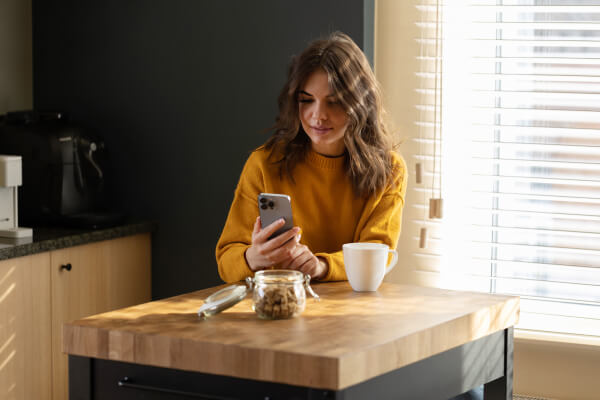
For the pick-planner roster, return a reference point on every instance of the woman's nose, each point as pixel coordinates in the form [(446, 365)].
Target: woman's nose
[(319, 112)]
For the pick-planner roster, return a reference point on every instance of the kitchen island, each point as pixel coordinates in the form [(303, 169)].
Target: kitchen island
[(401, 342)]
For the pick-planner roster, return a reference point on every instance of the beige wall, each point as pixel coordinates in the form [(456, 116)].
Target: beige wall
[(557, 370), (395, 61), (543, 368), (16, 76)]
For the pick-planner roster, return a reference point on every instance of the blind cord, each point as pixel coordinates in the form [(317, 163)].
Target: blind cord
[(435, 203)]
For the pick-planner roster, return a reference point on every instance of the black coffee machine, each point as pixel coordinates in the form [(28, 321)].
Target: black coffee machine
[(63, 170)]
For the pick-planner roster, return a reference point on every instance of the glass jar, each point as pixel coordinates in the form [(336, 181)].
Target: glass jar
[(276, 294), (279, 294)]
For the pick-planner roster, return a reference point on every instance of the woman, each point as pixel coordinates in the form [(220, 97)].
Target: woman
[(331, 153)]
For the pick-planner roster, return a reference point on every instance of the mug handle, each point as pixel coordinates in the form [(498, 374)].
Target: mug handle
[(393, 263)]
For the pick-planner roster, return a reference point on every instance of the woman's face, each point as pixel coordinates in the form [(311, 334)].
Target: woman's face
[(322, 117)]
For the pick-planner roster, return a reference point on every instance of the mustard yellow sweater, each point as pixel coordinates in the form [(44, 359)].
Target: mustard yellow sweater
[(324, 206)]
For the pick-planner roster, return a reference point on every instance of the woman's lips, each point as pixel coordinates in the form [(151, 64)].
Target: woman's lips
[(320, 129)]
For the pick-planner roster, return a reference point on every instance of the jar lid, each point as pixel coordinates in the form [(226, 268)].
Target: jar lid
[(279, 276), (223, 299)]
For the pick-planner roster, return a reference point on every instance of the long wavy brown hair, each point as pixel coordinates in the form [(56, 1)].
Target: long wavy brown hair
[(351, 79)]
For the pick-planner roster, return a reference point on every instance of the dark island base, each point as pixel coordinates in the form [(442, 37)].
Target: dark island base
[(487, 361)]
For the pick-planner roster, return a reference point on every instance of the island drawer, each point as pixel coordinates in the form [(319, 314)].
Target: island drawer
[(125, 381)]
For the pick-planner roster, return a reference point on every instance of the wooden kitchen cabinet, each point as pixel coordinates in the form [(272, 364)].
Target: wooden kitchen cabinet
[(39, 292), (25, 345), (92, 279)]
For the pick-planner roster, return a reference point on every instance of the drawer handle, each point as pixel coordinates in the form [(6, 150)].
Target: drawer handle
[(127, 382), (66, 266)]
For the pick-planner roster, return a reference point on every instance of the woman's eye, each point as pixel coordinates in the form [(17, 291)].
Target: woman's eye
[(305, 101)]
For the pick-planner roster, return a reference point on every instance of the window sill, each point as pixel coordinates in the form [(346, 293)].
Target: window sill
[(558, 339)]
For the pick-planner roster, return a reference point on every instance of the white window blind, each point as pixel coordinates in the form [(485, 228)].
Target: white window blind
[(508, 134)]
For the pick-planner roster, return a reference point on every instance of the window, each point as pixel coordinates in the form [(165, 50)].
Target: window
[(507, 132)]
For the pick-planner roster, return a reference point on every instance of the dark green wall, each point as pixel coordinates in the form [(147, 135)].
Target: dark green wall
[(181, 91)]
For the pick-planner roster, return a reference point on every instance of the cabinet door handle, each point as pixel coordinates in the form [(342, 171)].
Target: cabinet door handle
[(66, 266), (127, 382)]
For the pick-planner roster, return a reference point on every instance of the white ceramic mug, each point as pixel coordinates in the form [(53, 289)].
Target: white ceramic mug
[(366, 264)]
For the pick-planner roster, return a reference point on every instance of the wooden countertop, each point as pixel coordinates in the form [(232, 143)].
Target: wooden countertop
[(345, 339)]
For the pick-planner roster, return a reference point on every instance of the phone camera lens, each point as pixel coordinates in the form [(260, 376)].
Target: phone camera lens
[(271, 204), (263, 206), (263, 200)]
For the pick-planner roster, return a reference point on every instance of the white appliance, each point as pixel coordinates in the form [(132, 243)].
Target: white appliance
[(10, 179)]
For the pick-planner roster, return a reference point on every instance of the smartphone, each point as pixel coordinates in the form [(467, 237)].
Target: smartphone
[(272, 207)]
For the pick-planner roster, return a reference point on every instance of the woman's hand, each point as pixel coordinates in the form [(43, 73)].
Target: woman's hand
[(302, 259), (264, 253), (283, 251)]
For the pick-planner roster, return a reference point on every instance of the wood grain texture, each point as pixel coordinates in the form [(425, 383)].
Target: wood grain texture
[(104, 276), (25, 328), (75, 294), (129, 270), (345, 339)]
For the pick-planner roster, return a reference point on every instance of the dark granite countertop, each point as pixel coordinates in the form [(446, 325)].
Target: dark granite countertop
[(48, 239)]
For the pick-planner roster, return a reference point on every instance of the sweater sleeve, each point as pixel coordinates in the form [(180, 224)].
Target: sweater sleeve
[(380, 221), (237, 232)]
